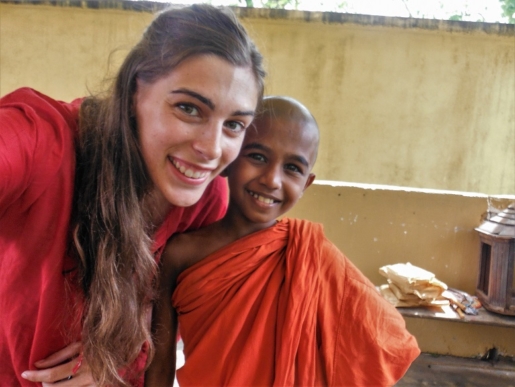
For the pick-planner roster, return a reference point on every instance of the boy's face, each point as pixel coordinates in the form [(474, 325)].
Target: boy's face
[(273, 168)]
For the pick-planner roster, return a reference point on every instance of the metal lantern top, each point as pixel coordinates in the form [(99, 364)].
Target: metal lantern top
[(501, 225)]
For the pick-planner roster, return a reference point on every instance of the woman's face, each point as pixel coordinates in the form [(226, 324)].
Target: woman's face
[(191, 125)]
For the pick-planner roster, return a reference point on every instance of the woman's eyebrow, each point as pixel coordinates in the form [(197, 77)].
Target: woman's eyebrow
[(206, 101), (200, 97), (244, 113)]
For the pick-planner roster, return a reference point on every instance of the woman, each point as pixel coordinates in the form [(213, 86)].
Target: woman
[(81, 226)]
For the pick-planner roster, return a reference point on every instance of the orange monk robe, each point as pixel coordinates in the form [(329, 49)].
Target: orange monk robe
[(285, 307)]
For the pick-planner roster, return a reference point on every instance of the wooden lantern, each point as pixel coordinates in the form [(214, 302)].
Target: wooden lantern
[(496, 280)]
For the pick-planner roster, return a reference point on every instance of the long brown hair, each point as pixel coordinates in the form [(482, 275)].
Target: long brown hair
[(111, 234)]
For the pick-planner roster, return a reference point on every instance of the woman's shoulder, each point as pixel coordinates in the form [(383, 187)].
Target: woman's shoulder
[(35, 98), (37, 139), (29, 107), (23, 94)]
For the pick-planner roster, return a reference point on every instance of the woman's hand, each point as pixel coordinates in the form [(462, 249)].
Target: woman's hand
[(65, 368)]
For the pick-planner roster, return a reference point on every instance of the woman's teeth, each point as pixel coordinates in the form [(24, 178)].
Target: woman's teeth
[(188, 172)]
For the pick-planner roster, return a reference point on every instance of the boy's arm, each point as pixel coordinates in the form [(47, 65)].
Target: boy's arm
[(161, 371)]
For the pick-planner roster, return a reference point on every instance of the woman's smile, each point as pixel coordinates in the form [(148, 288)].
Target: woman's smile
[(189, 171), (191, 124)]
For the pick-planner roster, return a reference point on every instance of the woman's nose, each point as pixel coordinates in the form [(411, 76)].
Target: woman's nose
[(208, 141)]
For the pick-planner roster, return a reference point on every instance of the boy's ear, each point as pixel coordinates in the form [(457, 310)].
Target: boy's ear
[(311, 179)]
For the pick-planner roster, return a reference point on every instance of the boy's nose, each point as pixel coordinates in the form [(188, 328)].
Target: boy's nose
[(208, 141), (271, 177)]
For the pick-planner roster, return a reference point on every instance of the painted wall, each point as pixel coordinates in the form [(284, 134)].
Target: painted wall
[(64, 51), (405, 102), (377, 225), (423, 104)]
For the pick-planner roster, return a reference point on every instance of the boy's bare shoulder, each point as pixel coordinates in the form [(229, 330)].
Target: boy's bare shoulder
[(186, 249)]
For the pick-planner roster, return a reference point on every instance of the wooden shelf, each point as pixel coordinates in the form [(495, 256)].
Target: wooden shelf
[(446, 313)]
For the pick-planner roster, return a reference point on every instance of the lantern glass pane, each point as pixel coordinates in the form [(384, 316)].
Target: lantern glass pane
[(484, 274), (513, 282)]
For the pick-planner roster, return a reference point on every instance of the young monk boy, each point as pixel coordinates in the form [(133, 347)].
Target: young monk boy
[(264, 302)]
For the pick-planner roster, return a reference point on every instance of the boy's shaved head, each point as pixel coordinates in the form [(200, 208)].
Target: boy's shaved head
[(275, 163), (290, 110), (285, 107)]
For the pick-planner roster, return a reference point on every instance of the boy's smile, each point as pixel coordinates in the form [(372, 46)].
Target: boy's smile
[(263, 199)]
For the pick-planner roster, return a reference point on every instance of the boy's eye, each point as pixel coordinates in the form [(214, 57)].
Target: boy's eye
[(293, 168), (235, 126), (188, 109), (257, 157)]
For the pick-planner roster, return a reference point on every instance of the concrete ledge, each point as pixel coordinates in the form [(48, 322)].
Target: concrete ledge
[(446, 313)]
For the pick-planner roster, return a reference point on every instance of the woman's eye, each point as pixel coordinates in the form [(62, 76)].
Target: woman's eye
[(189, 109), (235, 126)]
